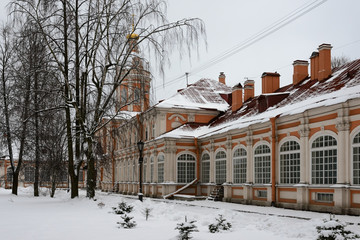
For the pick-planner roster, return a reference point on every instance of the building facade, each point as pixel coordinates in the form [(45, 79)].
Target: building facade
[(296, 146)]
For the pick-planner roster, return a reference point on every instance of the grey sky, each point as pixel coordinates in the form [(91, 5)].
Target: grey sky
[(230, 22)]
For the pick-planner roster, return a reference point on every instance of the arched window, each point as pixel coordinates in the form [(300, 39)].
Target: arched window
[(129, 169), (144, 169), (152, 169), (185, 168), (220, 167), (290, 163), (356, 159), (205, 168), (123, 96), (137, 95), (262, 164), (81, 175), (324, 160), (239, 161), (161, 160), (9, 175), (134, 171), (29, 174)]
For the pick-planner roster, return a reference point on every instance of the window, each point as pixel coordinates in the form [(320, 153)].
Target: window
[(144, 169), (356, 159), (261, 193), (152, 169), (137, 95), (161, 159), (220, 167), (153, 131), (81, 175), (9, 175), (44, 176), (205, 168), (134, 171), (324, 197), (123, 96), (129, 168), (324, 160), (29, 174), (290, 163), (262, 164), (185, 168), (239, 161)]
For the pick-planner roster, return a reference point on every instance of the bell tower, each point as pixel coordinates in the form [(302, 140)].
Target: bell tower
[(134, 91)]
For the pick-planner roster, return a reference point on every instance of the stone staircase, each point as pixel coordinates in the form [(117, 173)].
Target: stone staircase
[(217, 194)]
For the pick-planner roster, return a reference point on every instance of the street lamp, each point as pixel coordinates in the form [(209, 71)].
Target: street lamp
[(140, 145)]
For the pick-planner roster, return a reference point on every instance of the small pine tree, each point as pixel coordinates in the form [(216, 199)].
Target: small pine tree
[(185, 229), (221, 224), (147, 213), (123, 208), (127, 221), (333, 229)]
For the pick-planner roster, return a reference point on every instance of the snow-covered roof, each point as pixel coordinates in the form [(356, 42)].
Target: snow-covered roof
[(309, 94), (204, 94)]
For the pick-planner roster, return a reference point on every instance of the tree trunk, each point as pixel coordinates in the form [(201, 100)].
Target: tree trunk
[(91, 171), (15, 183), (37, 132)]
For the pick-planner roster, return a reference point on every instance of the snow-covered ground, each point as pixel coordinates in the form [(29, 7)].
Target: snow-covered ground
[(26, 217)]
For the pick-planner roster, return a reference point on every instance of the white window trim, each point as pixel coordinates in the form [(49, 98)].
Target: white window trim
[(253, 160), (310, 142)]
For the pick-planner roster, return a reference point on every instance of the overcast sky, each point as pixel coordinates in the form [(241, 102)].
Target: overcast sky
[(231, 22)]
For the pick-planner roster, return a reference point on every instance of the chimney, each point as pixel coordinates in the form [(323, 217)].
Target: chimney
[(236, 97), (270, 82), (324, 61), (314, 65), (249, 91), (300, 71), (222, 77)]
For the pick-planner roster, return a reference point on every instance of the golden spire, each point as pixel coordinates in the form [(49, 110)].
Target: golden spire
[(133, 35)]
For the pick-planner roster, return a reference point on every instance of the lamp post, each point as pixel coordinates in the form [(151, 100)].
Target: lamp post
[(140, 145)]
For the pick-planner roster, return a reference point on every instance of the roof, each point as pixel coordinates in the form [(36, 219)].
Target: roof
[(204, 94), (342, 86)]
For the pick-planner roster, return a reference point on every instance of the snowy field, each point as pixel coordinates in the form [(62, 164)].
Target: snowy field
[(44, 218)]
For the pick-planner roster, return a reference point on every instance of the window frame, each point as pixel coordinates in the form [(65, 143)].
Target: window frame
[(357, 146), (220, 167), (188, 168), (294, 164), (160, 167), (205, 171), (265, 175), (321, 152), (242, 171)]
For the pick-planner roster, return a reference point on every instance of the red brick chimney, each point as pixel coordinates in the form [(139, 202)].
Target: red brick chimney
[(222, 77), (314, 65), (249, 91), (300, 71), (324, 61), (237, 97), (270, 82)]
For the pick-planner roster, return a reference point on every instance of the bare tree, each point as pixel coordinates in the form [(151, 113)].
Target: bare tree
[(337, 62), (94, 45)]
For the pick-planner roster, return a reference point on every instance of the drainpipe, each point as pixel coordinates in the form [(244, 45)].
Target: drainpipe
[(273, 160), (197, 159)]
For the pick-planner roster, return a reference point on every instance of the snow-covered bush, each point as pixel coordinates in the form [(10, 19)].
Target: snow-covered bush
[(127, 221), (147, 212), (123, 208), (220, 225), (333, 229), (185, 229)]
